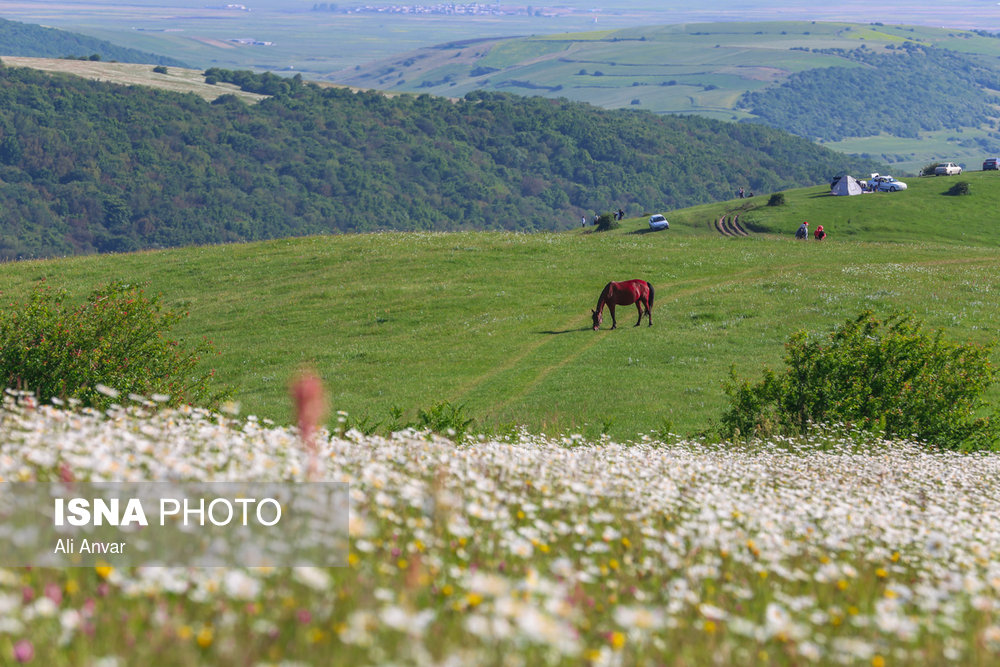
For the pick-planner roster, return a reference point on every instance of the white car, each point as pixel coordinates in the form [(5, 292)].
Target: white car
[(949, 169), (888, 184), (658, 222)]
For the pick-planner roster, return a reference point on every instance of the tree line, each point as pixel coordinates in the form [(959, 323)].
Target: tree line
[(90, 166)]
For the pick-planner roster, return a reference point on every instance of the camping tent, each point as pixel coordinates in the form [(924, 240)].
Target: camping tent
[(846, 185)]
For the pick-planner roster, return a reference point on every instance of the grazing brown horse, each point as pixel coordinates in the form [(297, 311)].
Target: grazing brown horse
[(638, 292)]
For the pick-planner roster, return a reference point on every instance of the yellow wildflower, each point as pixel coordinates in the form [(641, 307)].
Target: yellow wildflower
[(205, 637)]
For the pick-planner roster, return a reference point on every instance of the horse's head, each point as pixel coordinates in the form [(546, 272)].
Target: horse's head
[(598, 316)]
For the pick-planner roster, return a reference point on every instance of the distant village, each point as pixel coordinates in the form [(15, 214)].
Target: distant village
[(452, 9)]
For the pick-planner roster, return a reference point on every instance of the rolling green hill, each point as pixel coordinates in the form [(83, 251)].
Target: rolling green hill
[(499, 322), (838, 82), (91, 166), (25, 39), (925, 212)]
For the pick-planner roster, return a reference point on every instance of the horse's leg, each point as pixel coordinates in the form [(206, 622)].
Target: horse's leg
[(614, 322), (649, 312), (638, 304)]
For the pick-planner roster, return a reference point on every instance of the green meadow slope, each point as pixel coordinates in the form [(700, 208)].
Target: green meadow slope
[(924, 212), (498, 322)]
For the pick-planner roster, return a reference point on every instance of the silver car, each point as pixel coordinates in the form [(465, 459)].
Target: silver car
[(889, 184), (948, 169), (658, 222)]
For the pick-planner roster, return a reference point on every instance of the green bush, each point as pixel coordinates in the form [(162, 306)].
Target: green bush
[(777, 199), (959, 188), (889, 376), (116, 339), (606, 221), (928, 169)]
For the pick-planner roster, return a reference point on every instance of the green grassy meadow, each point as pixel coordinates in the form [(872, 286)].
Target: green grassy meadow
[(500, 323)]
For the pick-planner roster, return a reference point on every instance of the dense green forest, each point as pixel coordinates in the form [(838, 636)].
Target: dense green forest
[(88, 166), (917, 89), (35, 41)]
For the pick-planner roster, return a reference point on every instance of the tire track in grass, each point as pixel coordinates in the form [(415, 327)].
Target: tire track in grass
[(575, 323), (709, 283), (544, 372), (512, 362)]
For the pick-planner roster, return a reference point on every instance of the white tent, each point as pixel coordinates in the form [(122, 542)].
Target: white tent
[(846, 185)]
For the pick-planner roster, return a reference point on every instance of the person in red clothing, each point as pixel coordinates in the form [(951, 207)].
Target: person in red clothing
[(819, 234)]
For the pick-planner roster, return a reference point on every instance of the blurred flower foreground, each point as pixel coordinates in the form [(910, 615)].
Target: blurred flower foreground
[(529, 550)]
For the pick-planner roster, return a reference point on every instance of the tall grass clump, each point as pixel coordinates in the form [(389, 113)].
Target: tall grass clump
[(116, 339), (887, 375)]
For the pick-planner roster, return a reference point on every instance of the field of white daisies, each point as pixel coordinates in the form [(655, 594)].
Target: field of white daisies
[(824, 550)]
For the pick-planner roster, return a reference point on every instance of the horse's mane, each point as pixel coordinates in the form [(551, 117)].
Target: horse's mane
[(605, 295)]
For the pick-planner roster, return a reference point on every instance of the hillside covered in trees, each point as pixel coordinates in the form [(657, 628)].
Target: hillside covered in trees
[(35, 41), (916, 89), (92, 167)]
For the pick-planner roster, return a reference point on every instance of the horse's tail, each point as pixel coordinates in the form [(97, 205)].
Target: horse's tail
[(649, 305)]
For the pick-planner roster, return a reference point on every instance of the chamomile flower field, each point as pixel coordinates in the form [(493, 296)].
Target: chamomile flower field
[(834, 549), (580, 530)]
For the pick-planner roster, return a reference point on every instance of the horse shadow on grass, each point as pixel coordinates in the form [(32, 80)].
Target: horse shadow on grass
[(564, 331)]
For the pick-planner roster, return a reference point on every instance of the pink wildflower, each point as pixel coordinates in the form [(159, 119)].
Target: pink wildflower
[(310, 409), (24, 651)]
